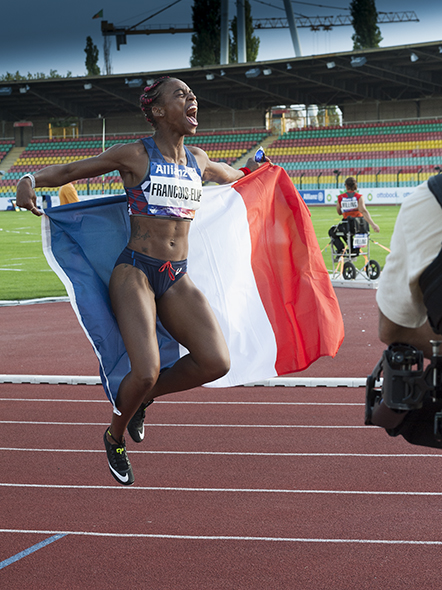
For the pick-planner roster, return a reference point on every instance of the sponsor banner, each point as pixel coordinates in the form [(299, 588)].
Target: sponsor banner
[(372, 195), (7, 203), (314, 197)]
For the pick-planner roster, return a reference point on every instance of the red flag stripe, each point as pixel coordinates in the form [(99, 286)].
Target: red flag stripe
[(292, 280)]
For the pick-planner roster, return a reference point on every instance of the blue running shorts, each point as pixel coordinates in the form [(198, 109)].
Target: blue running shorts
[(161, 274)]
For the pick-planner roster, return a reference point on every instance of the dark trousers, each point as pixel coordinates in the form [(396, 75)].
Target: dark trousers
[(339, 233)]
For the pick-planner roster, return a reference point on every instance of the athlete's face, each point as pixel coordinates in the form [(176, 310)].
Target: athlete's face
[(179, 105)]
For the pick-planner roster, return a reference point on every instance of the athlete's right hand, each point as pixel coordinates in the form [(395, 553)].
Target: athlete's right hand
[(26, 197)]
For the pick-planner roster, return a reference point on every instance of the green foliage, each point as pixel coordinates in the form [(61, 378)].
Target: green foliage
[(55, 74), (25, 274), (37, 76), (17, 77), (91, 51), (252, 42), (328, 116), (365, 18), (8, 77), (63, 121), (206, 40)]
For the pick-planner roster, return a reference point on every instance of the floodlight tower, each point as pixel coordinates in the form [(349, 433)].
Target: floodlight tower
[(292, 27), (224, 53), (241, 31)]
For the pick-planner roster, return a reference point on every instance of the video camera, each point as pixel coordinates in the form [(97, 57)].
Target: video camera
[(408, 401)]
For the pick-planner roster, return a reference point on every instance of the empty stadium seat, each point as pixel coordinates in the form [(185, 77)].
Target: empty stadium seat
[(410, 146), (227, 146)]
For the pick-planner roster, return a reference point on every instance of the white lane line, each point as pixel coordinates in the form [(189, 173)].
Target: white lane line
[(224, 537), (34, 423), (232, 453), (221, 490), (202, 403)]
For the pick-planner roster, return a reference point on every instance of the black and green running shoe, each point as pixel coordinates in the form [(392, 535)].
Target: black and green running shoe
[(136, 425), (118, 460)]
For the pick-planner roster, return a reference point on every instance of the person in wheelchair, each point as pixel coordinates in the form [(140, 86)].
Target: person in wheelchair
[(355, 218), (409, 299)]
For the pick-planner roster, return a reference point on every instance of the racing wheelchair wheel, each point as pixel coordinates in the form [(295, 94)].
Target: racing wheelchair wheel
[(349, 271), (373, 269)]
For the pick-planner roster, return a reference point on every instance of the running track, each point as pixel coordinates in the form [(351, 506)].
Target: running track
[(246, 489)]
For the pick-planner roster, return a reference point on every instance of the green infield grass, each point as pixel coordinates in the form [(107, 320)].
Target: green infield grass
[(25, 274)]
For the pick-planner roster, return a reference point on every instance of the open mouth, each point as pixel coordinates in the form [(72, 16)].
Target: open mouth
[(191, 115)]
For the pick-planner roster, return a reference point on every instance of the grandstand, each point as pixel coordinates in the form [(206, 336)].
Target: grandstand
[(226, 146), (391, 135), (385, 154), (389, 154), (5, 147)]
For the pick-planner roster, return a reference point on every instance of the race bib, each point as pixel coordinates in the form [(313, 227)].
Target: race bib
[(174, 186), (360, 240), (349, 204)]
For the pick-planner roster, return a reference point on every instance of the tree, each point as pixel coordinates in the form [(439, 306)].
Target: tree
[(91, 58), (206, 39), (365, 18), (8, 77), (329, 115), (252, 42)]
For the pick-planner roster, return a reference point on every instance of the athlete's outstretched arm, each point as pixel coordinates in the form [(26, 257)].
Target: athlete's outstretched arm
[(118, 157), (220, 172)]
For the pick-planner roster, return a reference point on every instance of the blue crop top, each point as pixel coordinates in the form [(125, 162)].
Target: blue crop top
[(168, 190)]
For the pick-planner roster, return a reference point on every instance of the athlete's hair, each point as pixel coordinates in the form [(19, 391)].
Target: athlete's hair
[(351, 184), (149, 98)]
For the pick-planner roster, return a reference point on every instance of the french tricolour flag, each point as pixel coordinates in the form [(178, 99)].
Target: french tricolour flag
[(254, 254)]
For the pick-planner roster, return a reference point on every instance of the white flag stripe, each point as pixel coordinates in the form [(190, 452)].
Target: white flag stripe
[(232, 290)]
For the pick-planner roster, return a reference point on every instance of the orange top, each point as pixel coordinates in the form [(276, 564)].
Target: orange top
[(349, 203), (68, 194)]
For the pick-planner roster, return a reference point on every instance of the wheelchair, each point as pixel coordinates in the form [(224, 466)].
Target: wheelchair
[(350, 239)]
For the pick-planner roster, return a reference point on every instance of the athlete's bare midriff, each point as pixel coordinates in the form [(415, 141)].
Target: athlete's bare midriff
[(165, 239)]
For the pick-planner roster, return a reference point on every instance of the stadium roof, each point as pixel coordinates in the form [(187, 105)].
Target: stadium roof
[(407, 72)]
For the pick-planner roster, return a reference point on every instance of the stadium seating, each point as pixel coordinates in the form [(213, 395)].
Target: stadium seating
[(44, 152), (377, 154), (227, 146), (5, 146)]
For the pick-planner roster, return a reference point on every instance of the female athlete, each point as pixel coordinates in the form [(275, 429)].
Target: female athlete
[(163, 183)]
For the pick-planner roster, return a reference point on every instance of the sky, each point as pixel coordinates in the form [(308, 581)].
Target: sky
[(40, 36)]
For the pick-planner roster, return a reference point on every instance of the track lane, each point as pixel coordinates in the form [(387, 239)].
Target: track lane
[(223, 513), (332, 540), (221, 565)]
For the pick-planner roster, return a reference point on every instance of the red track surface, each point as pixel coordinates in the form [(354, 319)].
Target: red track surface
[(242, 488)]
